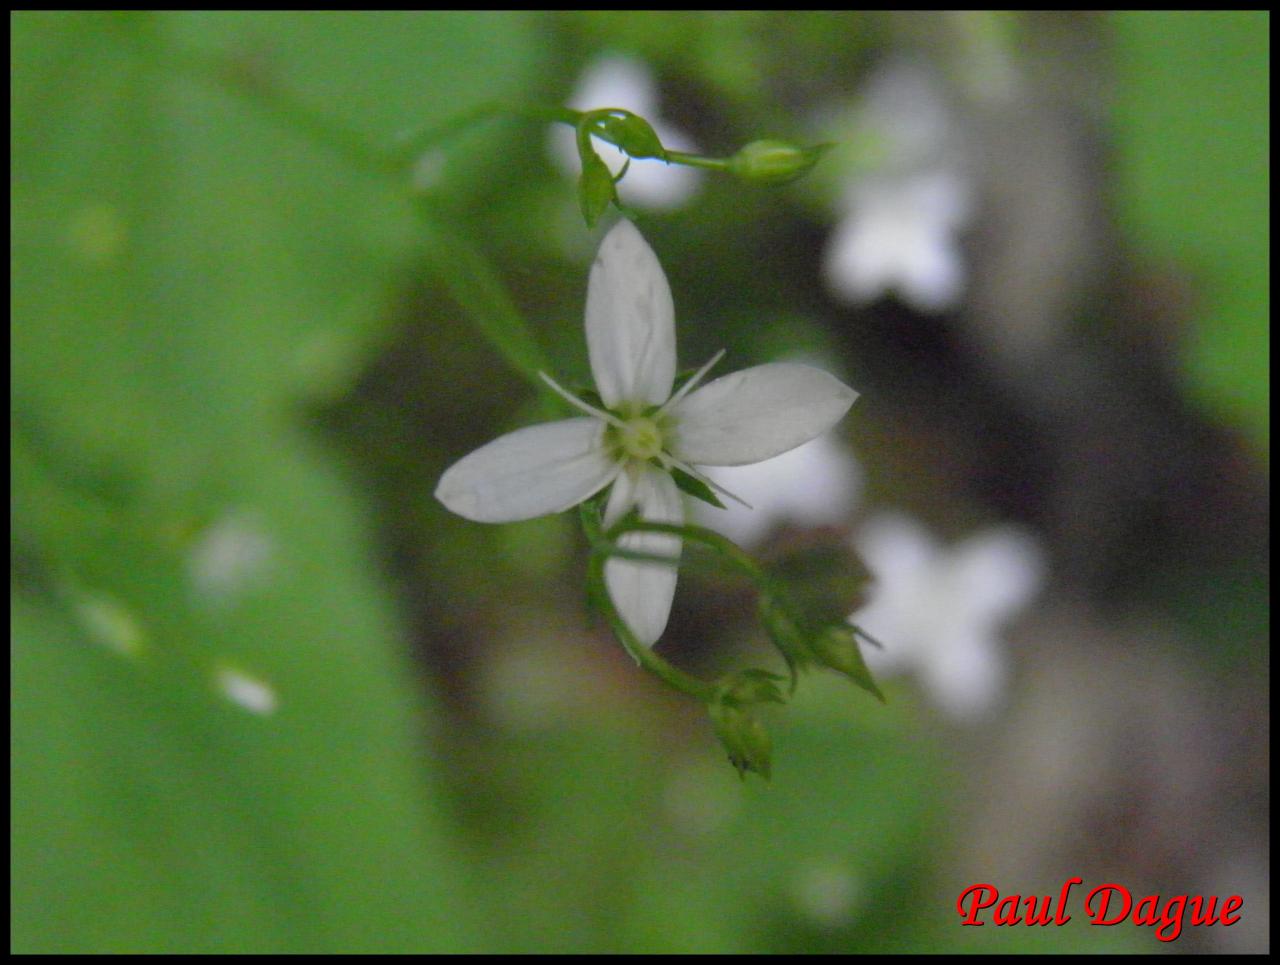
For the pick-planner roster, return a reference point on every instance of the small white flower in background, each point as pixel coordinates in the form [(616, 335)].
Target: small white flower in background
[(899, 224), (826, 891), (646, 433), (615, 81), (939, 610), (899, 236), (230, 554), (254, 695), (816, 484)]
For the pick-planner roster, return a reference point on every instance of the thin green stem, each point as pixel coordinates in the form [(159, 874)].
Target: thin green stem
[(254, 84), (698, 161), (665, 671), (414, 143), (721, 545)]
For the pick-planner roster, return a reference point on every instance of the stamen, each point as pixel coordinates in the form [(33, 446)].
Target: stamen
[(859, 632), (692, 383), (581, 406), (704, 478)]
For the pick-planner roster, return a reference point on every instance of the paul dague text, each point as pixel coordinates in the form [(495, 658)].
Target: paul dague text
[(1107, 904)]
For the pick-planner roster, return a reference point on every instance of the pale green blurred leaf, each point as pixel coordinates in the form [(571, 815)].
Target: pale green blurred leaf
[(1192, 125)]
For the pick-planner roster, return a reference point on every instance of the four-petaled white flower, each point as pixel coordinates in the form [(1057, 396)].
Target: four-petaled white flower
[(900, 224), (644, 432), (938, 610), (899, 235)]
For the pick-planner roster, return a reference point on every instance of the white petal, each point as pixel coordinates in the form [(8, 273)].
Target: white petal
[(966, 675), (631, 336), (531, 472), (616, 81), (642, 592), (757, 413), (998, 571), (623, 495), (816, 484)]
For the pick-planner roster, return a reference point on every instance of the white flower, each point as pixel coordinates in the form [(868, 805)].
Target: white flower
[(254, 695), (815, 484), (231, 554), (646, 431), (624, 83), (899, 225), (900, 235), (938, 611)]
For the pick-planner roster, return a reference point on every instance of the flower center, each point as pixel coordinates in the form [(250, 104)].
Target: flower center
[(640, 438)]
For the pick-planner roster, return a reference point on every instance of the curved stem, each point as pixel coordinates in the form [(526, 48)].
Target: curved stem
[(722, 545), (668, 672), (415, 142)]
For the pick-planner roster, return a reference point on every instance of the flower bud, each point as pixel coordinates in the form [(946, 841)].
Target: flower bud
[(774, 162), (744, 738), (786, 636), (632, 134)]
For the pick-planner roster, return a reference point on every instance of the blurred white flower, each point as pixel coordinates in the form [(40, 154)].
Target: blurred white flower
[(254, 695), (816, 484), (231, 554), (826, 891), (939, 610), (899, 223), (899, 235), (616, 81)]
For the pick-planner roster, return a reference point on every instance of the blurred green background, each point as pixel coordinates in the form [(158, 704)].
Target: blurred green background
[(269, 696)]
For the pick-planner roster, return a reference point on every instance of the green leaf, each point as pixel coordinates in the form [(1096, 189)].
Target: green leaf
[(1191, 109), (179, 255)]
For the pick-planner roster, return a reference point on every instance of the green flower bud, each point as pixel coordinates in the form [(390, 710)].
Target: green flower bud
[(744, 738), (785, 634), (836, 647), (774, 162), (629, 132)]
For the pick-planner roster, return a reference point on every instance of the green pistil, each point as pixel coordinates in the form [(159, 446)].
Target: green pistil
[(640, 438)]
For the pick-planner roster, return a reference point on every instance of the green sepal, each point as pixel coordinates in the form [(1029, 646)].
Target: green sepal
[(596, 189), (695, 487), (591, 397), (744, 738), (836, 647), (785, 634), (750, 686)]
